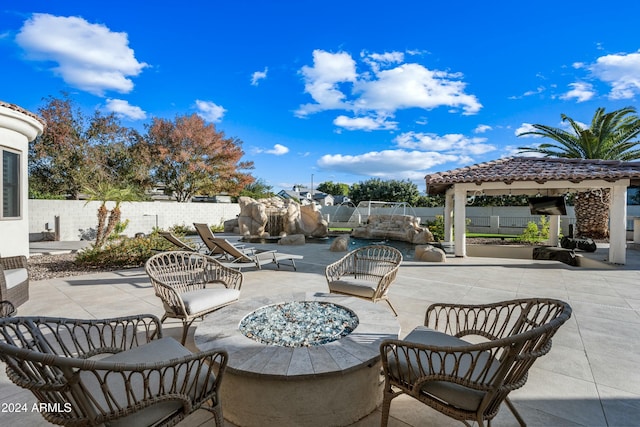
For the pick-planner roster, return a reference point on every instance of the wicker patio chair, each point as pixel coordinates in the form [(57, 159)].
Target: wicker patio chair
[(7, 309), (365, 272), (466, 381), (118, 371), (14, 280), (183, 281)]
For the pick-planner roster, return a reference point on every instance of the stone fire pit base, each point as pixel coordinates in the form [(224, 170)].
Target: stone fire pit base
[(333, 384), (339, 399)]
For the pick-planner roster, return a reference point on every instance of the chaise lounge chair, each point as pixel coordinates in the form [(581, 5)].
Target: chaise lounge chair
[(207, 237), (175, 240), (239, 259)]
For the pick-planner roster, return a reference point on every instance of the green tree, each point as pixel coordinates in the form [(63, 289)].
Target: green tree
[(193, 158), (386, 191), (334, 188), (258, 189), (77, 151), (118, 154), (427, 201), (611, 136), (58, 158)]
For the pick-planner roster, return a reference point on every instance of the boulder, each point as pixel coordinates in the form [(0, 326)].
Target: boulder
[(340, 244), (584, 243), (311, 221), (551, 253), (292, 239), (405, 228), (429, 253)]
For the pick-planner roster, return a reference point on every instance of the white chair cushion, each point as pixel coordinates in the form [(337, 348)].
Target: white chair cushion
[(161, 350), (358, 287), (15, 276), (454, 394), (208, 299)]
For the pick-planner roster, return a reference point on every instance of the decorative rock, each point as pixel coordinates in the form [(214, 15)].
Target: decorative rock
[(279, 216), (396, 227), (555, 254), (340, 244), (293, 239), (231, 225), (312, 222), (429, 253)]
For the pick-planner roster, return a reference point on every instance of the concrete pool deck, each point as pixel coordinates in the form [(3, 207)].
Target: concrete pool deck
[(590, 377)]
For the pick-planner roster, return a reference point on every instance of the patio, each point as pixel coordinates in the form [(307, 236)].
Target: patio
[(589, 378)]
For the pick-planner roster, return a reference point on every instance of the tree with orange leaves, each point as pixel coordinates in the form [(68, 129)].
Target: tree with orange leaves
[(192, 158)]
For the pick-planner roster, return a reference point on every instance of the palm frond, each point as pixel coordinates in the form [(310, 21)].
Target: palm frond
[(610, 137)]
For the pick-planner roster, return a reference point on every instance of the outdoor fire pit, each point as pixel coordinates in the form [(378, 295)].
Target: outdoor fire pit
[(305, 359), (299, 323)]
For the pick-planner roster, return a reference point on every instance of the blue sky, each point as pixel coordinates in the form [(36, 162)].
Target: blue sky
[(337, 91)]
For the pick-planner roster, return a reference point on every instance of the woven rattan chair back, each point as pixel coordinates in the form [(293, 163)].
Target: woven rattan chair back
[(61, 361), (176, 273), (377, 264), (513, 334)]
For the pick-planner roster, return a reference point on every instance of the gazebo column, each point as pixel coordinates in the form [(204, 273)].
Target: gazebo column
[(460, 220), (554, 229), (618, 224), (448, 216)]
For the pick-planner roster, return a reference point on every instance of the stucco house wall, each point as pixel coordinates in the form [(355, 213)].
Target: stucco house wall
[(17, 128)]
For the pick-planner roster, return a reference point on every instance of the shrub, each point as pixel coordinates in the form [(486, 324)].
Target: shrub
[(125, 252), (534, 234), (182, 230), (436, 227), (218, 228)]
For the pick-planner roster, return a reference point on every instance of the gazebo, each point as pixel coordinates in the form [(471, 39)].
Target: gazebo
[(537, 175)]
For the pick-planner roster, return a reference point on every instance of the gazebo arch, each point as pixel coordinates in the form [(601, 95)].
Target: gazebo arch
[(533, 175)]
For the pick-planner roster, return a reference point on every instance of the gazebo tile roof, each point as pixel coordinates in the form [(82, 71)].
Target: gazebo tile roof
[(536, 169)]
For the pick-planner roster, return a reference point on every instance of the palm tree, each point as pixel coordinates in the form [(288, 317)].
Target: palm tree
[(611, 136), (107, 220)]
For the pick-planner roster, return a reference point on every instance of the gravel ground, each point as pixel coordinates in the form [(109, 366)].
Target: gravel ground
[(42, 267)]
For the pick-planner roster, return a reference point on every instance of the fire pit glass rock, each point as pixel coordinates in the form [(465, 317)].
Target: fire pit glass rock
[(299, 323)]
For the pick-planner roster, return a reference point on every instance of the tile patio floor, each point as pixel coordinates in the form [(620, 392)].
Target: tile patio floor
[(591, 377)]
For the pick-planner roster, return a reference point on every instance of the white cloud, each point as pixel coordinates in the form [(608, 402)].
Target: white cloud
[(258, 75), (621, 71), (365, 123), (412, 85), (278, 150), (383, 89), (482, 129), (416, 154), (378, 60), (391, 164), (321, 81), (580, 92), (513, 151), (526, 127), (89, 57), (123, 109), (457, 143), (210, 111)]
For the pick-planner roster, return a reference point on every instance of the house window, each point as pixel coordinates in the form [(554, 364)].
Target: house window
[(10, 184)]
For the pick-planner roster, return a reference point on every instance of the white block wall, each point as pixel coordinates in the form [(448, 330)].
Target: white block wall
[(77, 215)]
